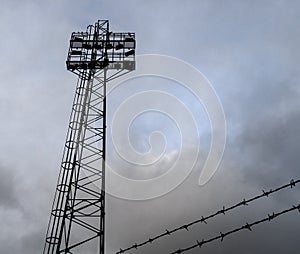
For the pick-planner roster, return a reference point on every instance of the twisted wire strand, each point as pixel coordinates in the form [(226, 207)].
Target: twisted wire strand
[(247, 226), (244, 202)]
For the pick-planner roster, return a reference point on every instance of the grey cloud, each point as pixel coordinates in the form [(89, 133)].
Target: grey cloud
[(248, 50)]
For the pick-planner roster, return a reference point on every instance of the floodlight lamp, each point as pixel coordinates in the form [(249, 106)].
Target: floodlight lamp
[(76, 52), (119, 46), (77, 39), (129, 53), (109, 46), (87, 46)]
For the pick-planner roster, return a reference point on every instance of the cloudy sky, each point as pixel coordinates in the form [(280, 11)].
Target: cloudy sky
[(249, 51)]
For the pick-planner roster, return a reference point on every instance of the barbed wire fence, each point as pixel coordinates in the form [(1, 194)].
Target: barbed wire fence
[(223, 211), (247, 226)]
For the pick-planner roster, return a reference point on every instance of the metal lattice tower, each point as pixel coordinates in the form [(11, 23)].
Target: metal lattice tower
[(77, 222)]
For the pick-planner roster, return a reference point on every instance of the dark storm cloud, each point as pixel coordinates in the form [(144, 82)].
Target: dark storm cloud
[(8, 193), (252, 60), (269, 146), (188, 203)]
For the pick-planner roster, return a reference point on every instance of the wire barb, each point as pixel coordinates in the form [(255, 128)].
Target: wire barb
[(203, 220), (271, 217), (247, 226), (186, 227), (266, 193), (292, 183), (200, 243), (222, 236), (223, 210), (297, 207), (244, 202)]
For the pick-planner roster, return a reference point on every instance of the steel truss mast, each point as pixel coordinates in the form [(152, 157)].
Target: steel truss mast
[(77, 221)]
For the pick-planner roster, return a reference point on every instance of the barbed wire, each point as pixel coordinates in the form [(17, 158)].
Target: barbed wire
[(244, 202), (247, 226)]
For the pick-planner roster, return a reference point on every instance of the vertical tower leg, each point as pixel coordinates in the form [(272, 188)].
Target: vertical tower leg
[(80, 194)]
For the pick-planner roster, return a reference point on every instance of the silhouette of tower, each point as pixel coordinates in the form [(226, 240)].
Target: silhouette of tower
[(77, 223)]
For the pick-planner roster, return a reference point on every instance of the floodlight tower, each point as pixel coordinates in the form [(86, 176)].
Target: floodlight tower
[(77, 223)]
